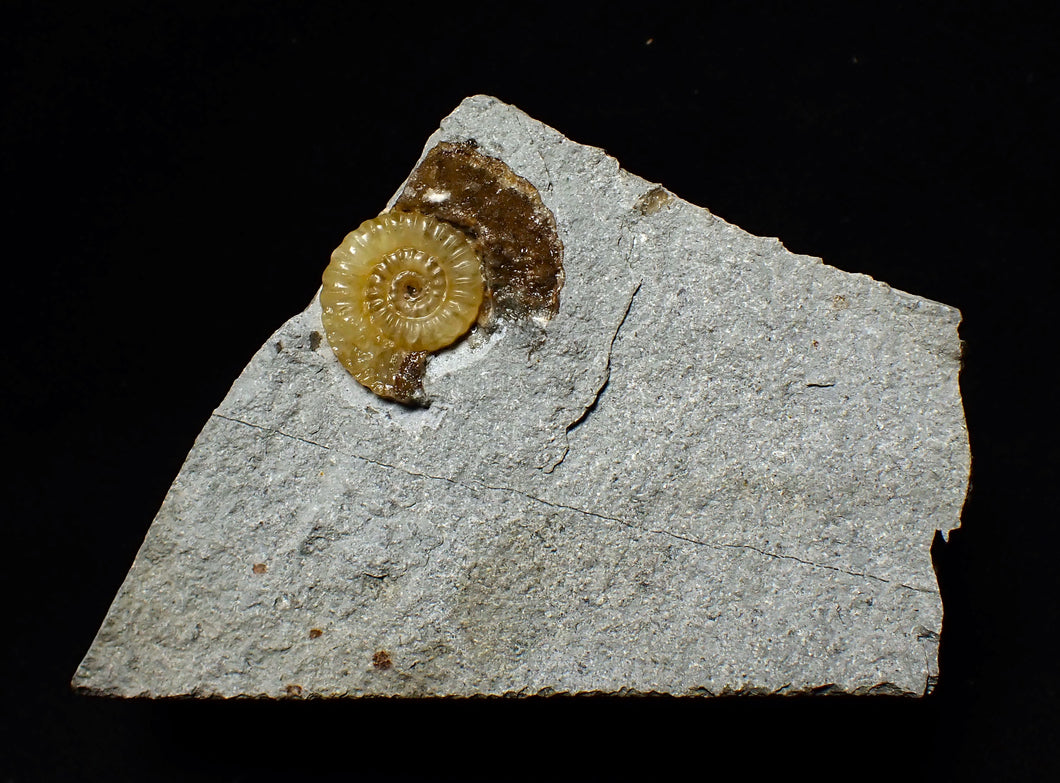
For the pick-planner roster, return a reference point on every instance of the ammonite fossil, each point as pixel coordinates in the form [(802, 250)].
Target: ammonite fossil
[(468, 239), (400, 286)]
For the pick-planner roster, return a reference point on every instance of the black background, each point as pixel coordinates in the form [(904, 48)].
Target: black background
[(177, 178)]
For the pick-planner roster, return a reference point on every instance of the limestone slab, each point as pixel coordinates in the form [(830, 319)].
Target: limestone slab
[(718, 469)]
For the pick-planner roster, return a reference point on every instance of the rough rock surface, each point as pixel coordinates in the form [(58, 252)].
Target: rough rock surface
[(718, 469)]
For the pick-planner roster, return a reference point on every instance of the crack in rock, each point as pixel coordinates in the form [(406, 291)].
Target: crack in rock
[(562, 506), (591, 407)]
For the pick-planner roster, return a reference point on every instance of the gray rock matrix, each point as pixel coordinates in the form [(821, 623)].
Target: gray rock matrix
[(719, 469)]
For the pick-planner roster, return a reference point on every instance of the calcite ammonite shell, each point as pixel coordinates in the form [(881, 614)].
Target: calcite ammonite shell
[(400, 286)]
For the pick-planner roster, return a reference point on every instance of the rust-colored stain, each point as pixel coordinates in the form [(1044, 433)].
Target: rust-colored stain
[(294, 691), (839, 302), (381, 660), (260, 568), (315, 633), (503, 214)]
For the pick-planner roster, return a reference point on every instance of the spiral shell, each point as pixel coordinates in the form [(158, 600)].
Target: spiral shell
[(400, 286)]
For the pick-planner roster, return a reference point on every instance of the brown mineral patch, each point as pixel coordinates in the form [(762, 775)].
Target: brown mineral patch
[(315, 633), (260, 568), (513, 231), (654, 200), (294, 691), (408, 380), (381, 660)]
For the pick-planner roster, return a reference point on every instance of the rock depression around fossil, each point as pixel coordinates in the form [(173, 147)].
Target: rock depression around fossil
[(718, 467)]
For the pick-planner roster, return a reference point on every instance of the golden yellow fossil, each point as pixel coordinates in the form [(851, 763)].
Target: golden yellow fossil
[(400, 286)]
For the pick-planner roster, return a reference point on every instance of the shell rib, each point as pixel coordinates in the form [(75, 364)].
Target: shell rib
[(401, 285)]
